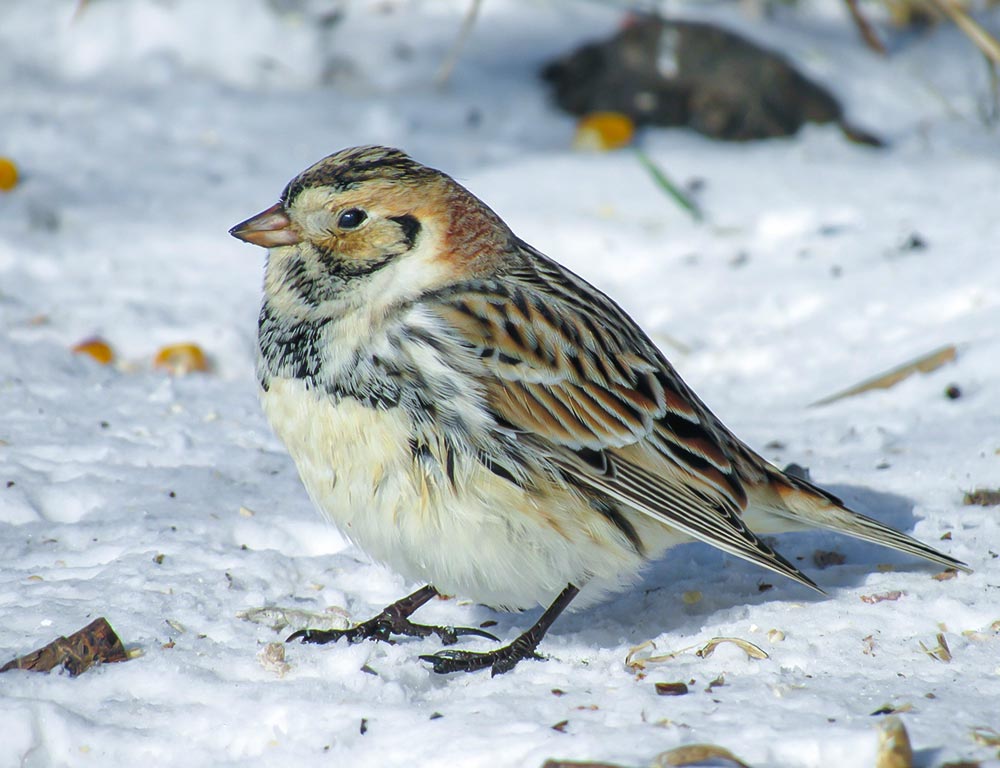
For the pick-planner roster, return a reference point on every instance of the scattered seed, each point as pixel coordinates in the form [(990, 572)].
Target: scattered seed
[(716, 683), (945, 575), (982, 497), (671, 689), (692, 754), (272, 658), (364, 726), (941, 652), (985, 736), (749, 648), (560, 726), (181, 359), (95, 348), (894, 750), (892, 709), (824, 559), (880, 598)]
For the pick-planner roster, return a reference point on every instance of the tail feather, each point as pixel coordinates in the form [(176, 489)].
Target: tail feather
[(805, 505)]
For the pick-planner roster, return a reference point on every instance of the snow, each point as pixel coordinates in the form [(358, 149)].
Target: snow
[(144, 130)]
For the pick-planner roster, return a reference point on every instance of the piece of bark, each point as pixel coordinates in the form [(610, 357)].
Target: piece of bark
[(668, 72), (96, 643)]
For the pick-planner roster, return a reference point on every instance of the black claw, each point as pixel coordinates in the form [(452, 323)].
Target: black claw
[(473, 632)]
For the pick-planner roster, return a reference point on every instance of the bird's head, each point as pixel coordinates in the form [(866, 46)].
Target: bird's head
[(369, 218)]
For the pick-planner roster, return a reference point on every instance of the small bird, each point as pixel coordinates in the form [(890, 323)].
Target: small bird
[(479, 418)]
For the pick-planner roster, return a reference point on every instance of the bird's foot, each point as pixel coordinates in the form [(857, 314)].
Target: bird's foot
[(383, 628), (499, 661), (504, 659), (393, 620)]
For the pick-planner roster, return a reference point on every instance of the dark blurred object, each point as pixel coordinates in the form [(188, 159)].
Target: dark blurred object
[(662, 72), (95, 643)]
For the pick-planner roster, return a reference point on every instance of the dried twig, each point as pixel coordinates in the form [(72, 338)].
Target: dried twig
[(448, 66), (865, 29), (982, 39), (923, 364)]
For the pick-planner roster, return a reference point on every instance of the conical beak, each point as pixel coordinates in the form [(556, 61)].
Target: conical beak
[(268, 229)]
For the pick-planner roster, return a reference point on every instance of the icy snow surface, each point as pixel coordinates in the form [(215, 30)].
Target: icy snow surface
[(145, 129)]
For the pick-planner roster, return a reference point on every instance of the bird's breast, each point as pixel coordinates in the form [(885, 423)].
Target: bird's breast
[(437, 513)]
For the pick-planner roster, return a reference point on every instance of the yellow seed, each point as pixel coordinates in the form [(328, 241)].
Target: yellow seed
[(8, 174), (97, 348), (894, 750), (692, 597), (602, 131), (181, 359)]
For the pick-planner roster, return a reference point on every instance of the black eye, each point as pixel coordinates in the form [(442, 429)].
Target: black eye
[(352, 218)]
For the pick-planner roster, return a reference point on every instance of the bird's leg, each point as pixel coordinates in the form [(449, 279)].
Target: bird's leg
[(393, 620), (505, 659)]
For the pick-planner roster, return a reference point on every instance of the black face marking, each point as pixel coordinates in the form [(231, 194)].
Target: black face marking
[(344, 269), (410, 226)]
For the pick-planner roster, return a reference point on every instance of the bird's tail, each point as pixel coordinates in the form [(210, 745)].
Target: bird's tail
[(788, 502)]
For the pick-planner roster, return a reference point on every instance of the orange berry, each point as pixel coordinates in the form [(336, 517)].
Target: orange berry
[(181, 359), (603, 131), (96, 348), (8, 174)]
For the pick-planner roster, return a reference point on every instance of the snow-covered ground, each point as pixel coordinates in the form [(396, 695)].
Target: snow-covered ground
[(145, 129)]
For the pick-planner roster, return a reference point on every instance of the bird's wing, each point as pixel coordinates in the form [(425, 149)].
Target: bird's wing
[(568, 369)]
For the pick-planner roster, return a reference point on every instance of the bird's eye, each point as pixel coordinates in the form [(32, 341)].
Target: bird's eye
[(352, 218)]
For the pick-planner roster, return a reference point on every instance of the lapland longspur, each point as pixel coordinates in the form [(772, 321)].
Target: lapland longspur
[(480, 418)]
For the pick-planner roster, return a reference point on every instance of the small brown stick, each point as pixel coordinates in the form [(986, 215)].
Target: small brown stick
[(444, 74), (923, 364), (972, 28), (864, 28)]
